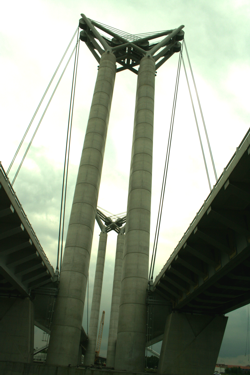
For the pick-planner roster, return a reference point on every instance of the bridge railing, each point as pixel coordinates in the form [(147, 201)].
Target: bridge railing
[(25, 217)]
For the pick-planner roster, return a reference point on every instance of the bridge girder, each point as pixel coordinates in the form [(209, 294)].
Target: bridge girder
[(208, 272), (24, 265)]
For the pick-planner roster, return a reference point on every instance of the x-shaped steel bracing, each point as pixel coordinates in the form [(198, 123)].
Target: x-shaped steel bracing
[(129, 49), (107, 224)]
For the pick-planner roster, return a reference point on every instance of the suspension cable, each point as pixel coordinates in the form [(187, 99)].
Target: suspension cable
[(39, 105), (158, 224), (66, 158), (33, 136), (66, 182), (198, 130), (88, 304), (203, 121)]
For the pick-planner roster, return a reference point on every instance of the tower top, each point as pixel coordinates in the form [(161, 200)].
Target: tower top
[(128, 48)]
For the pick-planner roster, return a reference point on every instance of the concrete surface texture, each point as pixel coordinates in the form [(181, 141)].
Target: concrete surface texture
[(16, 330), (114, 313), (157, 311), (89, 357), (12, 368), (131, 336), (67, 320), (191, 344)]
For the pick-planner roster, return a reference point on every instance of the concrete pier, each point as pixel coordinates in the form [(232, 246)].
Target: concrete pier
[(114, 314), (67, 321), (131, 337), (191, 344), (16, 330), (89, 357)]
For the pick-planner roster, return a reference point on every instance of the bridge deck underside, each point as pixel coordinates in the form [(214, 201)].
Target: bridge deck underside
[(23, 263), (25, 270), (209, 271)]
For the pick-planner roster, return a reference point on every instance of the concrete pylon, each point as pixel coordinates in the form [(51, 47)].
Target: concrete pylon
[(89, 357), (67, 320), (16, 330), (191, 344), (114, 314), (131, 337)]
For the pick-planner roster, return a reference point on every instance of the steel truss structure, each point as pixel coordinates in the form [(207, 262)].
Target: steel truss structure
[(128, 48)]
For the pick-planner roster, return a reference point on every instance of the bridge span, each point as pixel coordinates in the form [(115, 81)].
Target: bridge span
[(28, 283), (208, 272), (206, 276), (24, 265)]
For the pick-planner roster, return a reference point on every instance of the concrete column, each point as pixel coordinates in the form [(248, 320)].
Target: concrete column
[(191, 344), (89, 357), (114, 314), (131, 337), (67, 320), (16, 330)]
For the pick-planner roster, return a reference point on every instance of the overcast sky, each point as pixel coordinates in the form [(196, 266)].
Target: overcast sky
[(33, 37)]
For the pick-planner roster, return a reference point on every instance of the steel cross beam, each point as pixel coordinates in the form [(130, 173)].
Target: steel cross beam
[(129, 49), (107, 224)]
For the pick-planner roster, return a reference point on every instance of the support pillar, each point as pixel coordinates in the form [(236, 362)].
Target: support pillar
[(191, 344), (67, 319), (114, 314), (131, 336), (16, 330), (89, 357)]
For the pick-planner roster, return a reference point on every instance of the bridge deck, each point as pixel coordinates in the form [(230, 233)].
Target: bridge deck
[(24, 265), (209, 271)]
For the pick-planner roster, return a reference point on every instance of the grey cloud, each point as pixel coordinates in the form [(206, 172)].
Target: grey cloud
[(217, 37)]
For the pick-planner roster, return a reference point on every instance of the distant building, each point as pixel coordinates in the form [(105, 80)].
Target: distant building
[(221, 368)]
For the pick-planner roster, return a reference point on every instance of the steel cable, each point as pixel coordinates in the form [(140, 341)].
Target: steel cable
[(39, 105), (158, 224), (197, 126), (45, 110), (88, 304), (203, 120), (67, 152)]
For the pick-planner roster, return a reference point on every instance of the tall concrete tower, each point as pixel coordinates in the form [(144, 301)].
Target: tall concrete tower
[(115, 303), (143, 55), (67, 321), (106, 224)]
